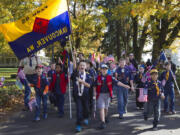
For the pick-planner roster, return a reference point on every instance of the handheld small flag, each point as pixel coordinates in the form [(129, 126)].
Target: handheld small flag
[(48, 23)]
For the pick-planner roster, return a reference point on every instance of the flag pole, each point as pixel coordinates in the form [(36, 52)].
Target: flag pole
[(69, 83), (173, 76)]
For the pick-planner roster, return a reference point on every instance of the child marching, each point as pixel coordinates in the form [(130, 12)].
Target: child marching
[(140, 81), (58, 87), (103, 93), (40, 85), (155, 93), (168, 84), (81, 85), (123, 75)]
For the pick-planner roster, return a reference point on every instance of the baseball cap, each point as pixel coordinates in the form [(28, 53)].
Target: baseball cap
[(153, 71), (104, 66)]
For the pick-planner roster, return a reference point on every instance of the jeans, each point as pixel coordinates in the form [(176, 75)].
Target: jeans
[(122, 95), (27, 93), (169, 92), (82, 109), (60, 103), (154, 107), (39, 97)]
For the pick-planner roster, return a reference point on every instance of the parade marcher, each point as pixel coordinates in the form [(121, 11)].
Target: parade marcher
[(131, 68), (155, 93), (29, 64), (24, 81), (40, 84), (110, 63), (58, 87), (140, 81), (132, 60), (103, 93), (168, 84), (123, 75), (82, 82)]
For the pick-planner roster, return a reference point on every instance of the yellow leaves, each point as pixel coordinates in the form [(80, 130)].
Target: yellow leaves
[(133, 13), (175, 46)]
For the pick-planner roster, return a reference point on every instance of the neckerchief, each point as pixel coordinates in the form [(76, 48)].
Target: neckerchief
[(167, 75), (157, 88), (81, 86)]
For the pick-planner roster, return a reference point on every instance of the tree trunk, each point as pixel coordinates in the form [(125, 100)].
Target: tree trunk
[(135, 35), (118, 53)]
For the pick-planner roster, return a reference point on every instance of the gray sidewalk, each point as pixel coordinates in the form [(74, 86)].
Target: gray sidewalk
[(21, 123)]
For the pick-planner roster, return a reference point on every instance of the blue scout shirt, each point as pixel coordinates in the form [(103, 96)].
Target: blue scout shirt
[(92, 73), (152, 90), (43, 83), (88, 80), (169, 82), (50, 74), (124, 75)]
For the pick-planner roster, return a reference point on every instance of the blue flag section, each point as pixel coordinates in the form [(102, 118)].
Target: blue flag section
[(58, 28), (45, 25), (162, 56)]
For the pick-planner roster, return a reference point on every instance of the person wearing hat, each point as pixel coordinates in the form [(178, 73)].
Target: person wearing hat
[(155, 93), (123, 75), (140, 80), (40, 84), (168, 84), (103, 92)]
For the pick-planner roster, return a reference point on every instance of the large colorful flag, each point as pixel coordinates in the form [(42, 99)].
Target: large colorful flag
[(48, 23)]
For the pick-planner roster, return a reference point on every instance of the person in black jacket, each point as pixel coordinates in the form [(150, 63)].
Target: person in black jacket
[(140, 81)]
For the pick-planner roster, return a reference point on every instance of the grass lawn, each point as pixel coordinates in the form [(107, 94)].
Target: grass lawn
[(8, 70)]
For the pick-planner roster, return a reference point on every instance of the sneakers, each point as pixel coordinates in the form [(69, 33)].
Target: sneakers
[(37, 119), (121, 116), (106, 120), (45, 115), (155, 127), (102, 125), (145, 118), (61, 115), (86, 122), (25, 109), (125, 111), (78, 128), (172, 112)]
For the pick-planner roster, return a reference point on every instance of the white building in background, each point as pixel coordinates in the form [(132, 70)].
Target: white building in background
[(44, 60), (174, 52)]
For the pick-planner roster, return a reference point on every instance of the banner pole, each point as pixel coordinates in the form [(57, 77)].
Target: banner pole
[(69, 83)]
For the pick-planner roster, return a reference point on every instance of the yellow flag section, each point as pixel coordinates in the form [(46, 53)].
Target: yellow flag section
[(48, 23)]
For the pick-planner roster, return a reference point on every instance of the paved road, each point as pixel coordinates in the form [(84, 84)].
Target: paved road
[(21, 123)]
